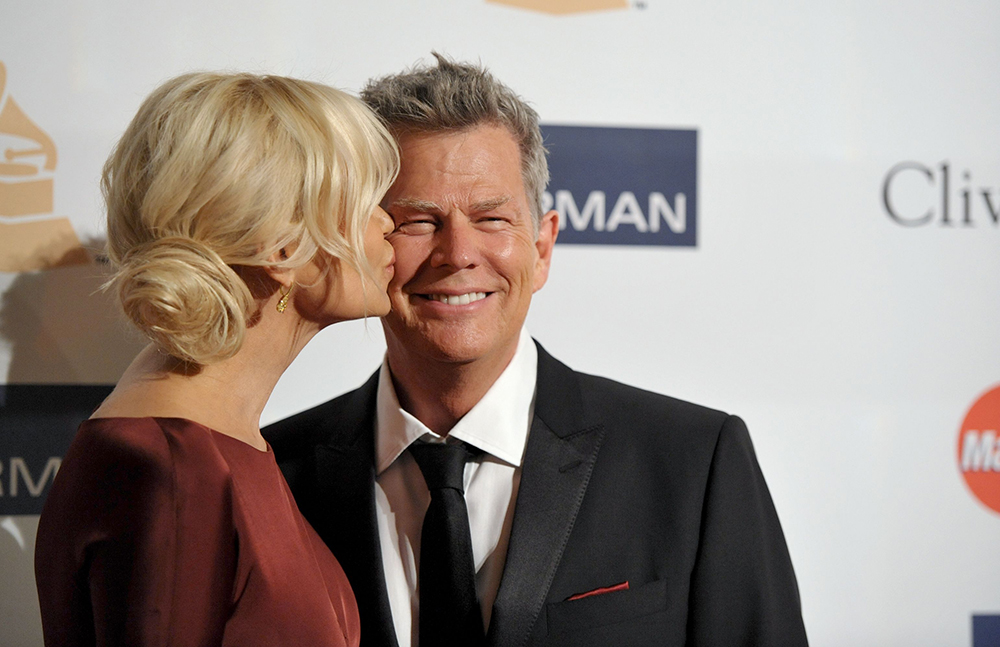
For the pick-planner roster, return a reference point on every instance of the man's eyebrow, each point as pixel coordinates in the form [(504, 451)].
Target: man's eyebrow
[(423, 206), (426, 206), (490, 204)]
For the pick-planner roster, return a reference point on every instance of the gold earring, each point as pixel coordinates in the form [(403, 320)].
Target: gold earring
[(283, 301)]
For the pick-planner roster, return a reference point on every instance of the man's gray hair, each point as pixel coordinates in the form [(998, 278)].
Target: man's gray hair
[(456, 96)]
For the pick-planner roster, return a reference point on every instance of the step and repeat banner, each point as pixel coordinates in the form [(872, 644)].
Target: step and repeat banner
[(789, 211)]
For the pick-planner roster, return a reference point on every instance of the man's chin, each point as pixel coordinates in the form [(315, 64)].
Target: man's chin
[(445, 354), (458, 349)]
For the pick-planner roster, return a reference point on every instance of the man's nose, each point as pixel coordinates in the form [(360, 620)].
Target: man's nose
[(455, 245)]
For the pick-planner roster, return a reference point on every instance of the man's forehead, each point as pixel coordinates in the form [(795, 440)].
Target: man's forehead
[(471, 151), (456, 136), (475, 169)]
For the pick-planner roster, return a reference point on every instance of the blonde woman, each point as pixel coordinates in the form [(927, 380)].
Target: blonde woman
[(242, 220)]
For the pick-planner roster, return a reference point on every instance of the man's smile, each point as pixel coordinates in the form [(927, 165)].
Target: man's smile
[(456, 299)]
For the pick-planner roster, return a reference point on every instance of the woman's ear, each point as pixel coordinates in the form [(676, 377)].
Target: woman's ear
[(262, 281), (280, 274)]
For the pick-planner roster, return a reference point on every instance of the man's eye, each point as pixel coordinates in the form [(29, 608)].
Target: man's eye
[(416, 227), (492, 221)]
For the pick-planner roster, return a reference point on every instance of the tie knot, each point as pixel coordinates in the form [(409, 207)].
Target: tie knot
[(442, 464)]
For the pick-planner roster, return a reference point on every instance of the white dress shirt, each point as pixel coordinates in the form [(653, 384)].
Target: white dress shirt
[(498, 425)]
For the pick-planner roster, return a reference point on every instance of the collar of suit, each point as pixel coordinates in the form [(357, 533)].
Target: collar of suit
[(563, 444)]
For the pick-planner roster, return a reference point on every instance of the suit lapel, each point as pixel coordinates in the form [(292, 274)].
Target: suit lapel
[(345, 481), (560, 455)]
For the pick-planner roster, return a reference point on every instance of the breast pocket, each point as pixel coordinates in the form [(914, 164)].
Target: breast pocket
[(628, 617)]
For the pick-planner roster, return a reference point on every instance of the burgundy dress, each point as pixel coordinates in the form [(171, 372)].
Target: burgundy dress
[(160, 531)]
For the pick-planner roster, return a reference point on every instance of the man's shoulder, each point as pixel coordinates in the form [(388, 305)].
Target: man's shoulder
[(601, 394), (647, 402), (636, 415), (647, 416), (335, 421)]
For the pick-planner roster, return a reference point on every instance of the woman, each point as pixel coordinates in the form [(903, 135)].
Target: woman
[(242, 219)]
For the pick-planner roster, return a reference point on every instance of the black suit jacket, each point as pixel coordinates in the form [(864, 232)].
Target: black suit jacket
[(618, 485)]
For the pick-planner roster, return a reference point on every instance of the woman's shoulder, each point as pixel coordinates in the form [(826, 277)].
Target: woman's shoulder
[(144, 449), (146, 436), (135, 515), (121, 443), (126, 433), (120, 469)]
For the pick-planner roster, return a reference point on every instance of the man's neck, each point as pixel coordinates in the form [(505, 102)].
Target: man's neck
[(438, 393)]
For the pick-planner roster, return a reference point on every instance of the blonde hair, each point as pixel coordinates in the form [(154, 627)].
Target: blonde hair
[(224, 170)]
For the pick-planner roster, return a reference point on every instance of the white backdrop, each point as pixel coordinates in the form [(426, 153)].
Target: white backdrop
[(851, 344)]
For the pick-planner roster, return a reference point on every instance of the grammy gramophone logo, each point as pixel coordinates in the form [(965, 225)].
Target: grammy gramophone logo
[(565, 6), (31, 237)]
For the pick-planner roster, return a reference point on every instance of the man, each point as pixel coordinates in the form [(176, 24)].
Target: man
[(598, 514)]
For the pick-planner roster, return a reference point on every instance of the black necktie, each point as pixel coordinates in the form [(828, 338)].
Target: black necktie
[(449, 610)]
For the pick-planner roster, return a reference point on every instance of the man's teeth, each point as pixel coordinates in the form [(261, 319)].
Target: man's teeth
[(458, 299)]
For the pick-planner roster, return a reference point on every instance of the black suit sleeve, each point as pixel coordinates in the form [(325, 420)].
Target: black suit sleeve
[(743, 589)]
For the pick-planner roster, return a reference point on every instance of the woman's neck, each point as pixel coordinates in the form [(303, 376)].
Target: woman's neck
[(227, 396)]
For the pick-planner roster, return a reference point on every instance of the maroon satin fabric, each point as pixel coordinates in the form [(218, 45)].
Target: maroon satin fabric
[(160, 531)]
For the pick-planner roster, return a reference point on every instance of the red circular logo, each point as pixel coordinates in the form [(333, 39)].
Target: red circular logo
[(979, 449)]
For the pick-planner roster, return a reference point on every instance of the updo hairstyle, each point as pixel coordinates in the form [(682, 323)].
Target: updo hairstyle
[(218, 171)]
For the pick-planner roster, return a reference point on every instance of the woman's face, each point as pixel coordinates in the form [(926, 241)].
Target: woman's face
[(329, 291)]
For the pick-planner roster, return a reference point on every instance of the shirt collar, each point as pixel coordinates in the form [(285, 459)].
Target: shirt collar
[(498, 424)]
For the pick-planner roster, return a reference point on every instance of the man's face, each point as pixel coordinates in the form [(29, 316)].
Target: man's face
[(467, 258)]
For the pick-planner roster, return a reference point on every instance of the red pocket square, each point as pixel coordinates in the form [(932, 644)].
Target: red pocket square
[(601, 591)]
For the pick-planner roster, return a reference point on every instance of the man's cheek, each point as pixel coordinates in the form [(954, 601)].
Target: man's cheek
[(410, 253)]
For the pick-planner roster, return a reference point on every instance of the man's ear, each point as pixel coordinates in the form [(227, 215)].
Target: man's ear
[(548, 231)]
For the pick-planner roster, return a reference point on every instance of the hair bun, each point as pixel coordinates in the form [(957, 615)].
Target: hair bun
[(181, 295)]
